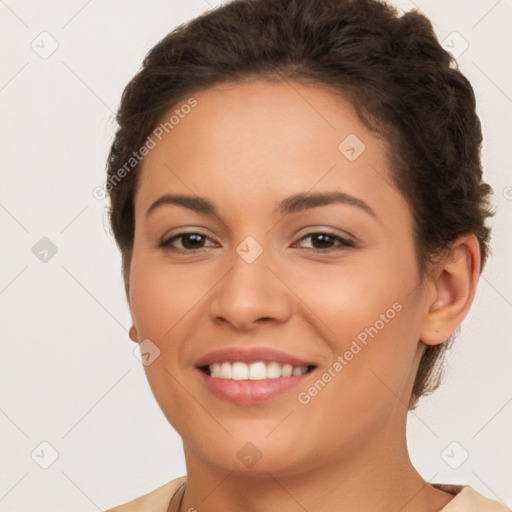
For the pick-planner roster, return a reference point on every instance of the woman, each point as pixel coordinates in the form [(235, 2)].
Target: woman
[(297, 195)]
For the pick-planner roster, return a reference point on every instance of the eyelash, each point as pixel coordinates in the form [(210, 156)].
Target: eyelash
[(345, 243)]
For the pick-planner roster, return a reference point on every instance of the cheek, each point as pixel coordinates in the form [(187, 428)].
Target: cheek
[(161, 301), (370, 317), (160, 295), (364, 290)]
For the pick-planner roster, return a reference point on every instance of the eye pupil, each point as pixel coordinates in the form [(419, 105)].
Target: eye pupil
[(322, 236), (187, 237)]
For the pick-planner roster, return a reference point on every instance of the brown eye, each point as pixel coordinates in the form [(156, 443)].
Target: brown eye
[(189, 241), (324, 242)]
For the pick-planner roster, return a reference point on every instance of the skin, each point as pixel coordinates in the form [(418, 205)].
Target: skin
[(245, 147)]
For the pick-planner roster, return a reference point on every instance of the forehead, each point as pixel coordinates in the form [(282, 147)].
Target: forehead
[(239, 118), (258, 138)]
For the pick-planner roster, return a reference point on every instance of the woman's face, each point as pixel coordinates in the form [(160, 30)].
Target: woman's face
[(268, 280)]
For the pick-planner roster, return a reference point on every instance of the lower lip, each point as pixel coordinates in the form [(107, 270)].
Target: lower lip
[(249, 392)]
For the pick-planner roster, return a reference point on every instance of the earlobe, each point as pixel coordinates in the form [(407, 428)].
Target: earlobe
[(454, 290), (133, 334), (133, 330)]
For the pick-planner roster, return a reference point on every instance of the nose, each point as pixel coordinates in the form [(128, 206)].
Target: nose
[(251, 294)]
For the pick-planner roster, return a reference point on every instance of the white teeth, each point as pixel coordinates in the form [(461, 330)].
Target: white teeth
[(239, 371), (225, 371), (287, 370), (273, 370), (299, 370), (255, 371)]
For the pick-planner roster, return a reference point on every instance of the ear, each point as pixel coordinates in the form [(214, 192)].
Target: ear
[(453, 282), (133, 330), (133, 334)]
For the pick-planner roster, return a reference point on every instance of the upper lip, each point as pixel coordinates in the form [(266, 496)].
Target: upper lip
[(251, 355)]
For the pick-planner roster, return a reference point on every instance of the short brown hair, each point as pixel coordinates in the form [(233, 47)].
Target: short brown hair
[(402, 83)]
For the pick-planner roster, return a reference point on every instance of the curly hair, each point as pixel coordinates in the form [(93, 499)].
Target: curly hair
[(403, 85)]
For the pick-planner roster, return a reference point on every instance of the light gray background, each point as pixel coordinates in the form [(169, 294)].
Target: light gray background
[(68, 374)]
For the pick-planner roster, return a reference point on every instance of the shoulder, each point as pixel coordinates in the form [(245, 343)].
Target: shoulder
[(468, 500), (154, 501)]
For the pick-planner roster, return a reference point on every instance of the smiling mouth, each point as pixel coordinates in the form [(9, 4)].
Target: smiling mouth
[(256, 371)]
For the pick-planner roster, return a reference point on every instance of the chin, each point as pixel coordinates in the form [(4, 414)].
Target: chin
[(252, 454)]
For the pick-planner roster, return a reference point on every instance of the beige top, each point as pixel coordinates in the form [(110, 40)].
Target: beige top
[(466, 499)]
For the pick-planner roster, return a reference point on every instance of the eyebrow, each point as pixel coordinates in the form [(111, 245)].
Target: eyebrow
[(295, 203)]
